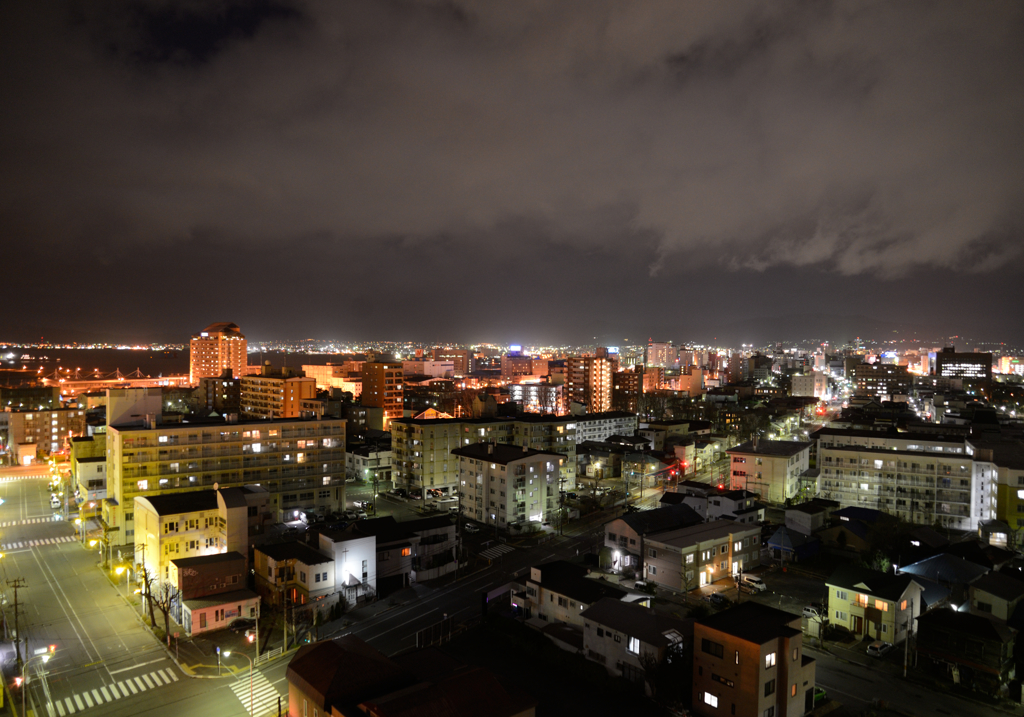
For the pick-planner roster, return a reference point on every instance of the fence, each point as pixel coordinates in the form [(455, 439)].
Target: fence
[(268, 655)]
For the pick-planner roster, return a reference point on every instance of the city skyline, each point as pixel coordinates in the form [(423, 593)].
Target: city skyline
[(533, 173)]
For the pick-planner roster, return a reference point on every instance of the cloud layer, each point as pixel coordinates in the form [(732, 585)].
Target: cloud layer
[(861, 138)]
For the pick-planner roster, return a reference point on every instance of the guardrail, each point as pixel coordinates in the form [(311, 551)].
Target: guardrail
[(269, 655)]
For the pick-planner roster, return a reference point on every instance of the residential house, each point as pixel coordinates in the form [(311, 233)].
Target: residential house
[(618, 635), (974, 650), (996, 594), (355, 563), (950, 572), (810, 517), (208, 592), (873, 604), (685, 558), (293, 571), (790, 546), (624, 537), (749, 660), (560, 591), (713, 502)]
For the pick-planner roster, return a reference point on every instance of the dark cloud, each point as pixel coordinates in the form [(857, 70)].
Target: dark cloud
[(598, 154)]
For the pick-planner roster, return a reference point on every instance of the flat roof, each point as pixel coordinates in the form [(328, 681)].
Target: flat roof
[(771, 448), (703, 532)]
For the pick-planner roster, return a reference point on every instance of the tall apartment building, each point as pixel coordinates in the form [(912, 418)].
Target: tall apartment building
[(215, 348), (627, 387), (589, 380), (382, 388), (221, 394), (770, 468), (749, 660), (280, 393), (882, 380), (504, 485), (921, 477), (301, 463), (461, 358), (814, 384)]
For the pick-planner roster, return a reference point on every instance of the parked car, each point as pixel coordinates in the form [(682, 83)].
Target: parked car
[(361, 503), (717, 599), (350, 515), (434, 492), (337, 525), (471, 528), (401, 492), (879, 648), (241, 624), (361, 515), (754, 582), (290, 533), (812, 613)]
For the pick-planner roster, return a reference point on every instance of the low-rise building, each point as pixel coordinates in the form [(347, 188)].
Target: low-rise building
[(698, 555), (507, 485), (622, 636), (560, 591), (713, 503), (873, 604), (624, 537), (772, 469), (208, 592), (292, 572), (749, 660), (996, 594), (974, 650)]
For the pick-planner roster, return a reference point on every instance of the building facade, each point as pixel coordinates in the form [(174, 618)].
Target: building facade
[(382, 388), (589, 380), (300, 462), (274, 394), (772, 469), (216, 348)]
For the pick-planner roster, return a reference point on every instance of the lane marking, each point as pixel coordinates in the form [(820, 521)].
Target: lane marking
[(135, 667)]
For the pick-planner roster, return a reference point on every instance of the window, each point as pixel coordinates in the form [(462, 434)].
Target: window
[(862, 599), (302, 576), (903, 605), (796, 654), (769, 661), (652, 570), (406, 552), (882, 605), (324, 576), (711, 700), (770, 712), (724, 681), (316, 577), (653, 553), (634, 646), (841, 595), (792, 692), (689, 559), (769, 688), (711, 648)]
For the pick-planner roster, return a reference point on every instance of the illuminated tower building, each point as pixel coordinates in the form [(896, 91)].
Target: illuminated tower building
[(590, 379), (217, 347), (382, 388)]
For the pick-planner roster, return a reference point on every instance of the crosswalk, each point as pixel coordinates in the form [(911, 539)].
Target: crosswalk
[(496, 551), (264, 696), (17, 545), (30, 521), (114, 691), (11, 479)]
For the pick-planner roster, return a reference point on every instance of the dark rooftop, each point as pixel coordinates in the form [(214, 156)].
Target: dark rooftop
[(184, 502), (771, 448), (208, 559), (874, 583), (500, 453), (293, 550), (753, 622)]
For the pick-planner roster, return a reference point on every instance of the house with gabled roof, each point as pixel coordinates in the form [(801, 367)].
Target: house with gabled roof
[(996, 594), (624, 536), (873, 604), (559, 591), (975, 650)]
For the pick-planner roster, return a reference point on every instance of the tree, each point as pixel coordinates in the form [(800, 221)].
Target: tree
[(652, 669), (147, 593)]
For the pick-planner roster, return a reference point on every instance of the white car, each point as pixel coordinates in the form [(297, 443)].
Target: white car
[(879, 648), (471, 528)]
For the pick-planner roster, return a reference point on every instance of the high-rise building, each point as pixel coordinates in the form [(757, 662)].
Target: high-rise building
[(462, 358), (665, 355), (215, 348), (382, 388), (627, 387), (882, 380), (589, 380), (515, 364)]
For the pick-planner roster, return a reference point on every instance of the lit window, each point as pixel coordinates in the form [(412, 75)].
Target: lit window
[(710, 699), (769, 660)]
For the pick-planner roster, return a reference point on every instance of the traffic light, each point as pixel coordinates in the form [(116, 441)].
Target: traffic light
[(17, 682), (53, 648)]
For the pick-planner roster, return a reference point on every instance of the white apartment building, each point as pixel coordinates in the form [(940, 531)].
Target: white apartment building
[(598, 426), (504, 485), (920, 477), (771, 469)]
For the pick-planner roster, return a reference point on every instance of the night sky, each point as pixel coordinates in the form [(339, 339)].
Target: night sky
[(522, 171)]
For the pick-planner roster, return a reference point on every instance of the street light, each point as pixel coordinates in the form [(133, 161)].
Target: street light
[(24, 677), (127, 578), (227, 653)]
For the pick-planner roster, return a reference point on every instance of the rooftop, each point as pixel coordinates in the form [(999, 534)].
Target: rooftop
[(294, 550), (771, 448), (753, 622), (208, 559), (501, 453), (638, 621), (700, 533), (191, 501), (667, 517), (872, 582)]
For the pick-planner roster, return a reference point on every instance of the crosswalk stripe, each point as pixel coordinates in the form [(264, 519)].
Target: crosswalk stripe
[(156, 678), (87, 698), (106, 695), (148, 681), (60, 708), (141, 684), (170, 673), (131, 686), (96, 696), (70, 704), (78, 701), (123, 689)]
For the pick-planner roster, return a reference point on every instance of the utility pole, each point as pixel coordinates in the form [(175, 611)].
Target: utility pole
[(17, 583)]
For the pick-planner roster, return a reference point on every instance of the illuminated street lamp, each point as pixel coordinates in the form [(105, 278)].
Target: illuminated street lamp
[(24, 672), (127, 578), (227, 653)]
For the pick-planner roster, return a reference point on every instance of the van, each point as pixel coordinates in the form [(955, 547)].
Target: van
[(754, 582)]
